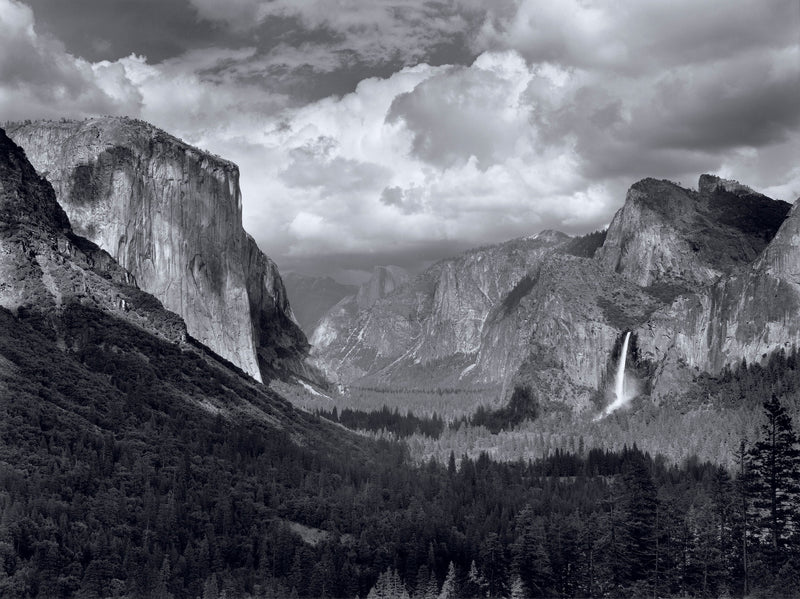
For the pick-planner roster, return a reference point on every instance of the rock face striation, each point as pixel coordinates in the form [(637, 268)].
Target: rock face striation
[(702, 278), (171, 215)]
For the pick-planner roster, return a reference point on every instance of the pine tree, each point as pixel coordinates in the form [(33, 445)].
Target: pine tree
[(388, 586), (476, 585), (744, 478), (426, 587), (775, 462), (518, 589), (493, 564), (211, 588), (639, 501), (449, 590), (531, 561)]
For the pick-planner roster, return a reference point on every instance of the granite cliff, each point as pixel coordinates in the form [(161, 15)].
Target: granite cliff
[(745, 316), (171, 215), (85, 356)]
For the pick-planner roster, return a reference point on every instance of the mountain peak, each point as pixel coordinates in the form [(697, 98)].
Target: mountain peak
[(667, 234), (382, 282), (711, 183)]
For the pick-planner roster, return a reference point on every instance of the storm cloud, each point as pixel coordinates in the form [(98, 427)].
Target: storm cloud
[(404, 131)]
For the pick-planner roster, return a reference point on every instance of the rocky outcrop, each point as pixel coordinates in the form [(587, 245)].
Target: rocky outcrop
[(44, 266), (172, 216), (670, 235)]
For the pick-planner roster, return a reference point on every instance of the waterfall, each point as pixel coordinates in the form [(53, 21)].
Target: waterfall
[(619, 382), (619, 385)]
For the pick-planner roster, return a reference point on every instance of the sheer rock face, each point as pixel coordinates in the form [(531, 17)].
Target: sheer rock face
[(559, 333), (667, 234), (172, 216), (44, 266)]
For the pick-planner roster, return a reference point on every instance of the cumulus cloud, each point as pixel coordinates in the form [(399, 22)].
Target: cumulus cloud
[(377, 169), (469, 111), (546, 113), (40, 79), (635, 37)]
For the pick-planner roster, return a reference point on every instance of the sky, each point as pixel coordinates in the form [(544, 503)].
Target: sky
[(400, 132)]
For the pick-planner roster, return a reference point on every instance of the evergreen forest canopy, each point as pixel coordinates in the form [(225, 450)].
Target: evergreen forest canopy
[(110, 486)]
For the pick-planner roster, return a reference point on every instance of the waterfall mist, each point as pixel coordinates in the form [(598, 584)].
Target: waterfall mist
[(626, 387)]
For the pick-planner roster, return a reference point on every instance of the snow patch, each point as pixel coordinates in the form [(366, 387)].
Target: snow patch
[(466, 371)]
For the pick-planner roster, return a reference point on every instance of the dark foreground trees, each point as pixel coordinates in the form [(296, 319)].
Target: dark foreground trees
[(774, 487), (109, 486)]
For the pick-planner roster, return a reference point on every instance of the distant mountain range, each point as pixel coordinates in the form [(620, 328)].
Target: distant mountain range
[(703, 279)]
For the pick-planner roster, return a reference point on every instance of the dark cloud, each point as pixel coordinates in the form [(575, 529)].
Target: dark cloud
[(108, 30), (408, 201), (726, 114)]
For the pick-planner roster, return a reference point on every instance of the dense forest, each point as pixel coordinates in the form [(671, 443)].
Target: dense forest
[(111, 485), (386, 421)]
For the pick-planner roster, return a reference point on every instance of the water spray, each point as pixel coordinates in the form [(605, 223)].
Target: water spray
[(619, 382)]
